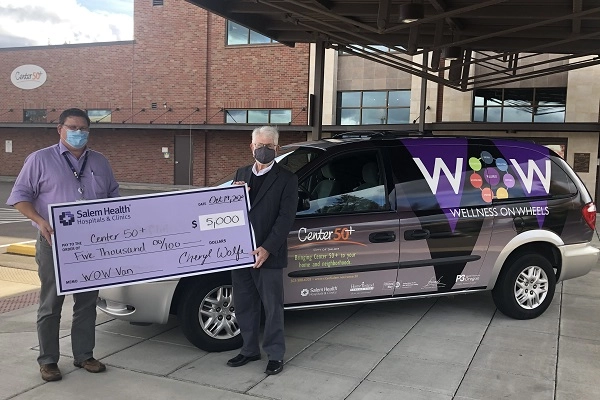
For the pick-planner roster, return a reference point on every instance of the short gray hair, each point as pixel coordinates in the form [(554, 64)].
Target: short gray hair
[(266, 130)]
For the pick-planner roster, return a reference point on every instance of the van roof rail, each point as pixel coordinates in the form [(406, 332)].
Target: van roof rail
[(379, 134)]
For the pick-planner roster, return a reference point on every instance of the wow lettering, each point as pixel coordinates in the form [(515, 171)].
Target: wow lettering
[(452, 173)]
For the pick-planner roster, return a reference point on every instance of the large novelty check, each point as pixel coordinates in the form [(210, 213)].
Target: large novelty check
[(128, 240)]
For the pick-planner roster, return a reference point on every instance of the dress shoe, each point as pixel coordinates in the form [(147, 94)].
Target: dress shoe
[(50, 372), (90, 365), (274, 367), (241, 359)]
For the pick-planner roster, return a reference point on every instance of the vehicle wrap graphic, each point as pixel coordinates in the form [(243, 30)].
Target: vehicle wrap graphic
[(458, 202), (460, 188), (451, 171), (332, 262)]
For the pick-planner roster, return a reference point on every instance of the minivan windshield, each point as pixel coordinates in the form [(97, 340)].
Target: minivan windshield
[(292, 157)]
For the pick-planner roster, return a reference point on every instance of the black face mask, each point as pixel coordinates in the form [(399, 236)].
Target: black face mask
[(264, 155)]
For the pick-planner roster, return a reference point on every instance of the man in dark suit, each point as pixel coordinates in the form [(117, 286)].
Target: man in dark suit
[(273, 192)]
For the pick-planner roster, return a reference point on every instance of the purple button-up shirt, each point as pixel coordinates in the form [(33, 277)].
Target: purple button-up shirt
[(46, 178)]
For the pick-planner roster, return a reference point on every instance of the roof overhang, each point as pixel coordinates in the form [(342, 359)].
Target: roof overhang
[(499, 41)]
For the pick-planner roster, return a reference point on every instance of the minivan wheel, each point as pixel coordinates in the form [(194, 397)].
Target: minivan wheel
[(525, 287), (206, 314)]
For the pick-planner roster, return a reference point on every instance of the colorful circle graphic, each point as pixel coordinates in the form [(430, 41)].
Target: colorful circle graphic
[(476, 180), (495, 173), (501, 164), (509, 180), (492, 176), (502, 193), (487, 195), (475, 164), (487, 157)]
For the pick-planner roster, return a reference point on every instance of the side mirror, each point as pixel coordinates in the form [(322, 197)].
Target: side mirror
[(303, 201)]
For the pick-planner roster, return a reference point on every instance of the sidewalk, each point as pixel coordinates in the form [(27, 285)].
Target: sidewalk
[(456, 347), (18, 275)]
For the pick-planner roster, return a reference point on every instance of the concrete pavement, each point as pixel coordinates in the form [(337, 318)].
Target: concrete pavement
[(18, 274), (456, 347)]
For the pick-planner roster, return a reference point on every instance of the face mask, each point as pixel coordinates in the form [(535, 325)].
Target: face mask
[(77, 139), (264, 155)]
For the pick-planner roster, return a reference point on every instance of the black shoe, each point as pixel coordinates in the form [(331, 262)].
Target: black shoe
[(274, 367), (241, 359)]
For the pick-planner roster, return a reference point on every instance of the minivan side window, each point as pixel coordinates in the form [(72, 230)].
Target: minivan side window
[(348, 183)]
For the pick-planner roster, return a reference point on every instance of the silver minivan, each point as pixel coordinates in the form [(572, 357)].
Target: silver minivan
[(389, 217)]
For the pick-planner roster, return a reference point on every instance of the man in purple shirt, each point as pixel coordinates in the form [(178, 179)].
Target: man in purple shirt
[(67, 171)]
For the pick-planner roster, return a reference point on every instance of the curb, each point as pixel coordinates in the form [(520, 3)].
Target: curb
[(21, 249)]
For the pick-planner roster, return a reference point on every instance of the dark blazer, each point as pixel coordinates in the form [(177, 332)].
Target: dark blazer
[(273, 211)]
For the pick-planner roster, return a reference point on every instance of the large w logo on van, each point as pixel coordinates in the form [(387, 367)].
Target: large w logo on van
[(441, 162), (531, 168), (439, 166), (448, 183)]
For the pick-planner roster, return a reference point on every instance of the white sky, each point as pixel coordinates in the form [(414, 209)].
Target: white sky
[(43, 22)]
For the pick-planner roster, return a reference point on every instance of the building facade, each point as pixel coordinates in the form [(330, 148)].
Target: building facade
[(170, 88)]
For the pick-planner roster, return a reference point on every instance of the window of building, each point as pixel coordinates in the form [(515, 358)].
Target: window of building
[(558, 145), (520, 105), (238, 35), (157, 2), (373, 107), (368, 49), (274, 117), (99, 115), (34, 115)]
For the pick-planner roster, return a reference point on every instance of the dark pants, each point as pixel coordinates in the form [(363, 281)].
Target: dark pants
[(250, 287), (83, 328)]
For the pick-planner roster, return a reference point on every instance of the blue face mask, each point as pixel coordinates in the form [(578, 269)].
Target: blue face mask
[(77, 139)]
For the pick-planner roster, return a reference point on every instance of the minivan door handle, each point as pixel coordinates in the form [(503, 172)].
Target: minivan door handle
[(382, 237), (416, 234)]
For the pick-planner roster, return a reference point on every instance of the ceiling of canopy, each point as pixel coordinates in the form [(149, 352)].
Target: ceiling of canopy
[(464, 44)]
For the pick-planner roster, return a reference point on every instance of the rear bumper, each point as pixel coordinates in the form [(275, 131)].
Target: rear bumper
[(578, 260), (141, 303)]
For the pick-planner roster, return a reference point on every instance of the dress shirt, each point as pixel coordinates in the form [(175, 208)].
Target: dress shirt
[(47, 178)]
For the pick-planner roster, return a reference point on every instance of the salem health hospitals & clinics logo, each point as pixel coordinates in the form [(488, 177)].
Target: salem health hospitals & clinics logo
[(66, 218)]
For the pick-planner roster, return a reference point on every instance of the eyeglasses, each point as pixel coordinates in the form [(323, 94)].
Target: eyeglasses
[(77, 128), (261, 145)]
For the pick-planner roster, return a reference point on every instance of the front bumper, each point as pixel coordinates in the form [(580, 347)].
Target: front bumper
[(140, 303)]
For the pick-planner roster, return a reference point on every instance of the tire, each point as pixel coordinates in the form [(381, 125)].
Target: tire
[(206, 315), (525, 287)]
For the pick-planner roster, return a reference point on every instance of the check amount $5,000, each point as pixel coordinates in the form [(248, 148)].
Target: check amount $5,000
[(220, 220)]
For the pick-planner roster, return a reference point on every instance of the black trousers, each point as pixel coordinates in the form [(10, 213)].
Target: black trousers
[(250, 288)]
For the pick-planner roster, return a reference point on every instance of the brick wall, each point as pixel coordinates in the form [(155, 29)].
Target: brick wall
[(135, 154), (228, 151), (85, 76), (170, 61), (271, 76), (179, 57)]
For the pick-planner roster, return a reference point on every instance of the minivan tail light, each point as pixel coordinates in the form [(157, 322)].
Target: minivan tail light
[(589, 214)]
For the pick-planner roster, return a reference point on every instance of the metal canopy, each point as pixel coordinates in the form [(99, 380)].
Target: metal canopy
[(498, 41)]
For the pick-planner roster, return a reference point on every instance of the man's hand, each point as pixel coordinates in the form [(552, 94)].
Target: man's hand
[(240, 183), (45, 230), (261, 256), (26, 208)]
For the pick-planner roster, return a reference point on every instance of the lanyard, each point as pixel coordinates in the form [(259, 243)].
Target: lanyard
[(76, 174)]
